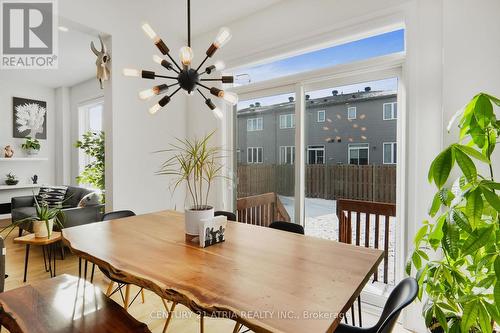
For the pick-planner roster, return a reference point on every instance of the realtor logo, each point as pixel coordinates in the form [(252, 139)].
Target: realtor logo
[(29, 34)]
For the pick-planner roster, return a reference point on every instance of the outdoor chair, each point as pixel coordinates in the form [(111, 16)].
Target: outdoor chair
[(287, 226)]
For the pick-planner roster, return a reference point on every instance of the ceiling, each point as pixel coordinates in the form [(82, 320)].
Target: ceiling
[(76, 61)]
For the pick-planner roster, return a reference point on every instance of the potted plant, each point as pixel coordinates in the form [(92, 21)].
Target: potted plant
[(11, 179), (43, 221), (196, 164), (31, 146), (457, 251)]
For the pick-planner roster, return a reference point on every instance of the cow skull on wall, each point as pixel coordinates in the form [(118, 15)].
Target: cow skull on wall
[(102, 61)]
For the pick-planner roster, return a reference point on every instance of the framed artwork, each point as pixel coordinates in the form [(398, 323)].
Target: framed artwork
[(212, 231), (30, 118)]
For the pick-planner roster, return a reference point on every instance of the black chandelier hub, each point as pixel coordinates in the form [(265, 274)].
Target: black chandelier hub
[(188, 79)]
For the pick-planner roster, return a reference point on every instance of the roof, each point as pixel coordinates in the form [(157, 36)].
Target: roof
[(322, 101)]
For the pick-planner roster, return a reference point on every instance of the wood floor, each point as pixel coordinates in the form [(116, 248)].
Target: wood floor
[(151, 312)]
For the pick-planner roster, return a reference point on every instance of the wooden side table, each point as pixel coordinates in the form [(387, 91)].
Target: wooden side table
[(48, 248)]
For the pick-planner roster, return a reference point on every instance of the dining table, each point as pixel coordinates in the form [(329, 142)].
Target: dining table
[(265, 279)]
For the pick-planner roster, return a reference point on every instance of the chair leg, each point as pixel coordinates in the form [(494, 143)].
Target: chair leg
[(20, 232), (110, 288), (169, 312), (236, 328), (202, 323), (359, 311), (127, 296), (352, 316), (142, 295)]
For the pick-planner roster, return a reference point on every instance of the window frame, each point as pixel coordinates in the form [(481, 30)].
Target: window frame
[(394, 115), (255, 122), (394, 149), (316, 148), (323, 112), (349, 149), (349, 108), (255, 155), (292, 155), (292, 120)]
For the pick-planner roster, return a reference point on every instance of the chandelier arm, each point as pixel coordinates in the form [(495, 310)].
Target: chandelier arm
[(173, 84), (201, 93), (174, 62), (189, 21), (202, 85), (175, 92), (204, 60), (166, 77), (210, 79)]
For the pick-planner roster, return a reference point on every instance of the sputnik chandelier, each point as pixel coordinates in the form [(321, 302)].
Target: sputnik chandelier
[(187, 78)]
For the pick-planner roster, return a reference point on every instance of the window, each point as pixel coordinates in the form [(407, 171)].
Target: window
[(287, 154), (321, 116), (351, 112), (390, 150), (316, 154), (287, 120), (255, 124), (390, 111), (358, 153), (255, 155)]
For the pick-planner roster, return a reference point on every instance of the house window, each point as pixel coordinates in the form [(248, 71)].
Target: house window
[(255, 155), (390, 111), (351, 112), (321, 116), (358, 153), (287, 154), (255, 124), (316, 154), (90, 116), (390, 149), (287, 120)]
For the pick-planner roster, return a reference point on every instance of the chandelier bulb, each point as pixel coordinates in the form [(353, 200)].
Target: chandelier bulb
[(220, 65), (149, 31), (155, 108), (230, 97), (218, 113), (222, 37), (186, 55), (132, 72)]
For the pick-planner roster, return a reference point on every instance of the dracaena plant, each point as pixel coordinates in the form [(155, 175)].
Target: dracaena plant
[(457, 251), (195, 163)]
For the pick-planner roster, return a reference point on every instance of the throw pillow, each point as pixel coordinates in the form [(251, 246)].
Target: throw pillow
[(52, 196), (90, 199)]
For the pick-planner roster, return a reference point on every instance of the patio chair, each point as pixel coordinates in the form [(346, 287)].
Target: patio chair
[(287, 226), (403, 295), (230, 216)]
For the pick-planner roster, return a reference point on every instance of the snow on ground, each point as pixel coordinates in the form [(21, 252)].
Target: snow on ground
[(321, 221)]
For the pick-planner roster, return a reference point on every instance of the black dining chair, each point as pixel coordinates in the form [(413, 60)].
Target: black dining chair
[(287, 226), (403, 295), (230, 215)]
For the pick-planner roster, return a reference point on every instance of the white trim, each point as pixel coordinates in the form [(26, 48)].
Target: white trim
[(350, 108), (255, 155), (300, 165), (393, 112), (254, 122), (316, 148), (366, 145), (292, 155), (392, 144), (323, 112), (285, 116)]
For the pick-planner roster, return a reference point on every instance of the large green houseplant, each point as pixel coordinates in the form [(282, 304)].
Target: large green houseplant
[(457, 251), (196, 164), (92, 144)]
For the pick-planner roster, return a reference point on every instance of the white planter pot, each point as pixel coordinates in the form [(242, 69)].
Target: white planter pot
[(192, 219), (32, 152), (40, 228)]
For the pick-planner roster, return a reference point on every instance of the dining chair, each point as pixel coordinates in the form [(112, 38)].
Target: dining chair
[(403, 295), (2, 265), (230, 215), (287, 226)]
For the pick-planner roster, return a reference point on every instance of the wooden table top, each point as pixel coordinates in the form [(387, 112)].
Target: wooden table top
[(270, 280), (64, 304), (32, 240)]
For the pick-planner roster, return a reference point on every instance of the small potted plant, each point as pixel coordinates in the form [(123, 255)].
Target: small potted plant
[(196, 164), (11, 179), (31, 146), (43, 221)]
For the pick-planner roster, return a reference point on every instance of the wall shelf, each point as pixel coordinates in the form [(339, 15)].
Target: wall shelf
[(18, 186), (21, 159)]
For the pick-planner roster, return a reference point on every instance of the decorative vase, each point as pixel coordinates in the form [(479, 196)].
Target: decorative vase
[(11, 182), (40, 228), (193, 219), (32, 152)]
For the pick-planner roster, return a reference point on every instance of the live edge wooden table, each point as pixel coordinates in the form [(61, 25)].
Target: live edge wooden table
[(48, 248), (266, 279)]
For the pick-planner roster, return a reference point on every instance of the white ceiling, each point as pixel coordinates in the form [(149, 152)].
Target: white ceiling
[(76, 61)]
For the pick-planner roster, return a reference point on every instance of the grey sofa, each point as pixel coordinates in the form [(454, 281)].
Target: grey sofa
[(23, 207)]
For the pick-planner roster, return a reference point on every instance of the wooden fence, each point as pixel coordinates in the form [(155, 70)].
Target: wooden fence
[(261, 210), (332, 182)]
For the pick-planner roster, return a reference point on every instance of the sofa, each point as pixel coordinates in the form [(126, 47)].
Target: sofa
[(24, 207)]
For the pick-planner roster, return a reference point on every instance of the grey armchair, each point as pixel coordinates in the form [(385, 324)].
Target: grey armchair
[(23, 207)]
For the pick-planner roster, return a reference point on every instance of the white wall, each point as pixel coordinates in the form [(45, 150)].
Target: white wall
[(25, 170), (132, 134)]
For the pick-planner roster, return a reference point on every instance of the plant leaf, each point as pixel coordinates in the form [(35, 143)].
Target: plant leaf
[(474, 207), (466, 165), (441, 318), (441, 167), (491, 197), (496, 292), (472, 153), (484, 319), (469, 317), (475, 242)]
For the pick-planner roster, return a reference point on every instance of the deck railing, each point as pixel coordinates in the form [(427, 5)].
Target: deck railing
[(262, 209)]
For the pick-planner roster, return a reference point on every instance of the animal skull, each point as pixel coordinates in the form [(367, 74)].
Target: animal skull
[(102, 61)]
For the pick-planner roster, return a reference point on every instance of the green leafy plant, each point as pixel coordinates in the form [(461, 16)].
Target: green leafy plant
[(195, 163), (31, 144), (457, 251), (44, 213), (92, 144), (11, 179)]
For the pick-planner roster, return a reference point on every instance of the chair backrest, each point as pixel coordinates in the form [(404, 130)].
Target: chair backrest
[(403, 295), (74, 194), (119, 214), (368, 224), (287, 226), (230, 216)]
